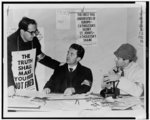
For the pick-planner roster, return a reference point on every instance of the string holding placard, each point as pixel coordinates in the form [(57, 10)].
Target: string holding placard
[(8, 11), (82, 10)]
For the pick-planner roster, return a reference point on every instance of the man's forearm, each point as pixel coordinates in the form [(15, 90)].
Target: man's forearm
[(49, 62)]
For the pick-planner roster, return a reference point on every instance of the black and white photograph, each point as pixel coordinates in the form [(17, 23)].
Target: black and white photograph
[(74, 60)]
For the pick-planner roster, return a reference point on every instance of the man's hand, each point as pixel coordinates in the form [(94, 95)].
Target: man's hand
[(69, 91), (11, 91), (114, 77), (62, 63), (105, 78), (106, 82), (47, 90)]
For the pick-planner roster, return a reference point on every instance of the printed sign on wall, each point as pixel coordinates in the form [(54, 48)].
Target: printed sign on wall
[(86, 27), (62, 19), (141, 35)]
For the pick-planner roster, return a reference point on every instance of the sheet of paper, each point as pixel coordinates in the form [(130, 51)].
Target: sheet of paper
[(21, 102), (62, 20), (30, 93), (72, 97), (86, 27), (36, 94), (72, 105), (126, 103)]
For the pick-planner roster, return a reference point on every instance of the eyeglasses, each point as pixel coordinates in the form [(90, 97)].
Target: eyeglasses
[(33, 32)]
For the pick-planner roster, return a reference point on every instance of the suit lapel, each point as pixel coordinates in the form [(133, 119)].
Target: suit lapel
[(78, 72)]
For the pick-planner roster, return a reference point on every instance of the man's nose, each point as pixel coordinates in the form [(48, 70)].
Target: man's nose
[(67, 56), (115, 59)]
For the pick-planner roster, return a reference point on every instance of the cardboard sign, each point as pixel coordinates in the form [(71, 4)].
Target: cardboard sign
[(23, 68)]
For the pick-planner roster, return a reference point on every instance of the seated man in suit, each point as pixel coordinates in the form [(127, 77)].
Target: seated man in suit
[(72, 77), (128, 73)]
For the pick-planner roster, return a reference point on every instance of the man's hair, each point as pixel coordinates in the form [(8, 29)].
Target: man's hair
[(79, 48), (23, 24)]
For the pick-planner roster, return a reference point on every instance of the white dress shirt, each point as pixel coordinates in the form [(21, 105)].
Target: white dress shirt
[(72, 67)]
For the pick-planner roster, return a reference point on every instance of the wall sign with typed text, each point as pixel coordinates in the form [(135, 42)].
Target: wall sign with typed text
[(86, 27)]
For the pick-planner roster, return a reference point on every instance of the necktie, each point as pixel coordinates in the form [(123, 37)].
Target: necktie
[(71, 69), (70, 76), (122, 72)]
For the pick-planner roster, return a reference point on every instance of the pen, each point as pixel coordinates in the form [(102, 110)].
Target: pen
[(77, 102)]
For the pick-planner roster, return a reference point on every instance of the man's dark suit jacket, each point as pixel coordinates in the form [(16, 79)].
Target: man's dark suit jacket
[(60, 80)]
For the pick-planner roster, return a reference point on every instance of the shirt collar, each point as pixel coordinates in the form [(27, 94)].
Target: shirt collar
[(129, 66), (73, 67)]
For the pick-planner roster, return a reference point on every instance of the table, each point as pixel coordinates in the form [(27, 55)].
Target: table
[(57, 105)]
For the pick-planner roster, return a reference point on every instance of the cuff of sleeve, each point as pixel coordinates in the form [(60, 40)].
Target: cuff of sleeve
[(73, 90), (40, 56), (86, 82)]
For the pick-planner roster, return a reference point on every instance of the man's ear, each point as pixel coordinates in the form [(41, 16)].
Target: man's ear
[(78, 59), (21, 31), (126, 61)]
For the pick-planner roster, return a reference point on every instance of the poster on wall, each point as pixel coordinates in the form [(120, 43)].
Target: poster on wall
[(86, 27), (141, 33), (62, 20)]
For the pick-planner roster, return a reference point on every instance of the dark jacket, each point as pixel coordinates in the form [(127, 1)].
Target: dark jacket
[(60, 79), (15, 43)]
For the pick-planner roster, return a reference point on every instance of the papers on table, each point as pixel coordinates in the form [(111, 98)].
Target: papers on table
[(21, 103), (125, 103), (72, 97), (53, 96), (34, 99), (30, 93), (27, 99), (73, 105), (54, 102)]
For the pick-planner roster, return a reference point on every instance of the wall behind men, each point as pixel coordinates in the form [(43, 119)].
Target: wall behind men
[(112, 27), (133, 32)]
